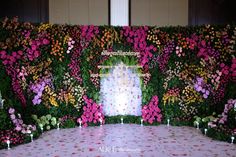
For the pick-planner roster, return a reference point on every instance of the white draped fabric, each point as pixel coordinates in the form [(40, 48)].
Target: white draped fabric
[(119, 12), (121, 92)]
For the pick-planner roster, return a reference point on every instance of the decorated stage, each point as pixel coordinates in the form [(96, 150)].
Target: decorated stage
[(123, 140), (59, 83)]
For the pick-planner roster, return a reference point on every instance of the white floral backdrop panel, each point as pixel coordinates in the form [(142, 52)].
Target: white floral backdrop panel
[(120, 92)]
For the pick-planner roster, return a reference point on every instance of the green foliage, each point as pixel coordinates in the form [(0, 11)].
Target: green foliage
[(174, 82), (171, 111), (92, 91), (218, 135), (155, 83), (69, 123), (203, 122), (231, 120), (36, 135), (63, 110), (5, 84), (5, 120), (146, 96), (126, 119)]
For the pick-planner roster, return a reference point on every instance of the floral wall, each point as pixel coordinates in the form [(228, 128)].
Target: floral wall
[(46, 74)]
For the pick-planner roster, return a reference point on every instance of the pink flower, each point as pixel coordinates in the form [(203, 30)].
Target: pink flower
[(18, 128), (45, 41), (79, 120)]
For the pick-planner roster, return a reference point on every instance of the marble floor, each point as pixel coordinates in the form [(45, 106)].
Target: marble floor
[(123, 140)]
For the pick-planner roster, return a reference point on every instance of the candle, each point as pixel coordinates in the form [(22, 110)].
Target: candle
[(168, 122), (100, 120), (205, 131), (122, 122), (232, 139), (8, 144), (141, 122), (31, 136), (58, 126)]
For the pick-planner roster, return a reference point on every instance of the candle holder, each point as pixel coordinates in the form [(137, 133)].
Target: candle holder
[(80, 124), (1, 103), (122, 120), (205, 131), (100, 120), (41, 129), (141, 122), (232, 139), (32, 137), (8, 144), (58, 126), (235, 106), (168, 122), (197, 125)]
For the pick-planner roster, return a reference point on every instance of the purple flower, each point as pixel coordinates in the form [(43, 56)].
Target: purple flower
[(205, 96), (11, 110), (13, 117)]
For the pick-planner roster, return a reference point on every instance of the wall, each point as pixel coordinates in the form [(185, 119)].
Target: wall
[(78, 12), (144, 12), (211, 12), (27, 10), (159, 12)]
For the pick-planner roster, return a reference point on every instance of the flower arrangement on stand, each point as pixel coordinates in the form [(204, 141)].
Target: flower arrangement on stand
[(226, 122), (12, 135), (67, 121), (19, 124), (92, 113), (46, 122), (151, 112)]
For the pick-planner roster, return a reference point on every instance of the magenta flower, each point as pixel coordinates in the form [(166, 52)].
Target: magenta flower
[(151, 112), (92, 112)]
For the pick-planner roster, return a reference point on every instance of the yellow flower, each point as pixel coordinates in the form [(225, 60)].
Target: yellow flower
[(44, 27), (71, 98), (52, 100)]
